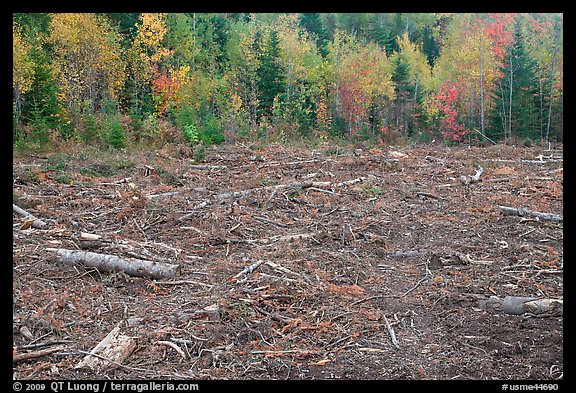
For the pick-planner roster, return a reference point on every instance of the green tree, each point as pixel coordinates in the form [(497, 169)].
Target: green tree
[(518, 109), (272, 81), (313, 25)]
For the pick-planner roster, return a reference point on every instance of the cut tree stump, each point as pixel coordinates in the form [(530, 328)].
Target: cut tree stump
[(109, 352), (111, 263)]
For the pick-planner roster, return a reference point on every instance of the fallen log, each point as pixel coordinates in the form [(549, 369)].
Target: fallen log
[(303, 185), (200, 166), (518, 305), (17, 357), (111, 263), (31, 221), (506, 210)]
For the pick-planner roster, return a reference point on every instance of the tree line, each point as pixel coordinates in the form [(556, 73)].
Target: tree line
[(127, 78)]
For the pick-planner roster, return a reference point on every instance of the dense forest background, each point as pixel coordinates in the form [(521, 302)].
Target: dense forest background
[(135, 80)]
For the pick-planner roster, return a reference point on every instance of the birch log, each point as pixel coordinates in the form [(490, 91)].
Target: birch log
[(111, 263), (506, 210), (518, 305), (35, 222)]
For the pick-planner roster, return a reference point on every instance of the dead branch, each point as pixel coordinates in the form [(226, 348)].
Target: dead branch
[(272, 164), (180, 282), (174, 347), (391, 332), (274, 239), (31, 221), (466, 180), (522, 212), (264, 219), (302, 185), (249, 269), (188, 215), (17, 357), (406, 254), (164, 194), (429, 195), (197, 166), (111, 263)]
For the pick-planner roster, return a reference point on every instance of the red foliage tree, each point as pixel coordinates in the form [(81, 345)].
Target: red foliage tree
[(447, 103)]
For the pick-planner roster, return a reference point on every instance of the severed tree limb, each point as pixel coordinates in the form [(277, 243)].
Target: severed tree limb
[(174, 347), (274, 239), (302, 185), (188, 215), (30, 219), (111, 263), (506, 210), (391, 332), (200, 166), (466, 180), (249, 269), (17, 357), (164, 194)]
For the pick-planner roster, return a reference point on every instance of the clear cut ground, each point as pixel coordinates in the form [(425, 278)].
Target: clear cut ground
[(366, 264)]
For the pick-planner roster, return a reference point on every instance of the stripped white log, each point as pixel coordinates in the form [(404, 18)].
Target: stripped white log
[(472, 179), (164, 194), (506, 210), (200, 166), (518, 305), (111, 263), (304, 185), (391, 332), (249, 269), (34, 222)]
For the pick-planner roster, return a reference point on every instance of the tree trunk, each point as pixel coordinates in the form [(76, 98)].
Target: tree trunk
[(510, 102), (111, 263), (482, 92)]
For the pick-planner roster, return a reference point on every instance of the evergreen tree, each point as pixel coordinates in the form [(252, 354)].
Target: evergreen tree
[(404, 93), (272, 80), (517, 110), (311, 23), (429, 46)]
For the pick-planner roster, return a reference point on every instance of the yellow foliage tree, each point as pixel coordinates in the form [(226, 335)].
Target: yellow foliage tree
[(22, 68), (88, 56)]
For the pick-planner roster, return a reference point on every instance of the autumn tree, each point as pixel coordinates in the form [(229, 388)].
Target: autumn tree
[(87, 51), (412, 77), (301, 62), (545, 44), (363, 79), (23, 66), (145, 57), (467, 61), (242, 75)]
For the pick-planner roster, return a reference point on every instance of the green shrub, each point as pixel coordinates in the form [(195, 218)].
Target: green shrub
[(191, 134), (115, 131)]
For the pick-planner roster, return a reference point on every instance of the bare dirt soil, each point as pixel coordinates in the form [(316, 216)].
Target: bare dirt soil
[(293, 263)]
